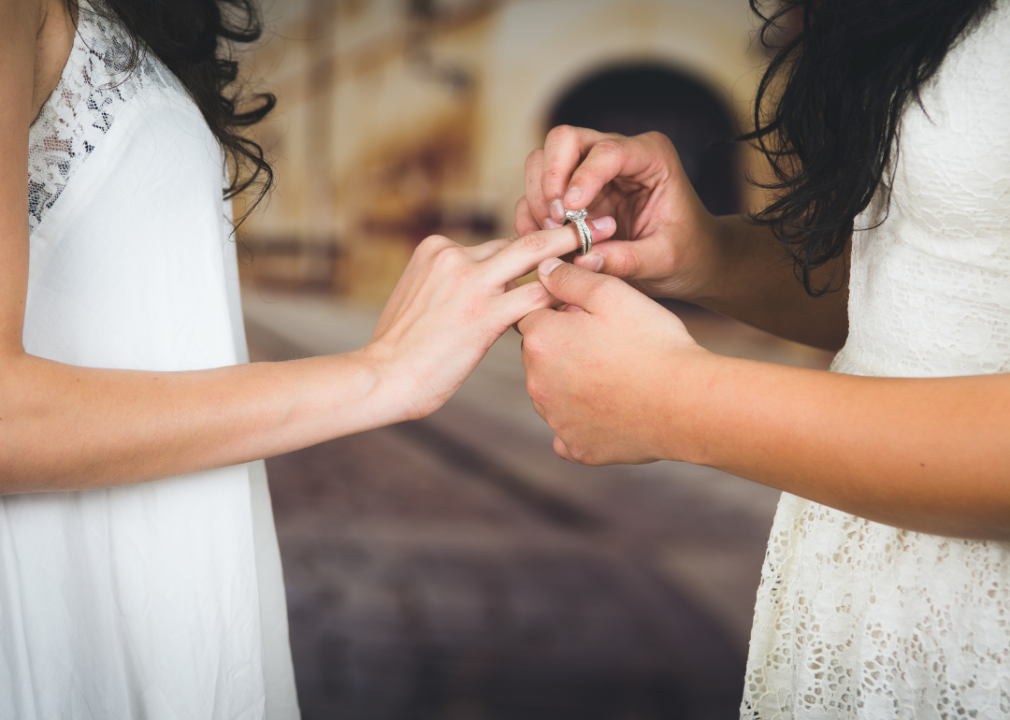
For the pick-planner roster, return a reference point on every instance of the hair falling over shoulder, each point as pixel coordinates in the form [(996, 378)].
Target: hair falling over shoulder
[(196, 39), (829, 107)]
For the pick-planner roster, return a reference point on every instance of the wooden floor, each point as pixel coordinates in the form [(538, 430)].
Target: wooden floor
[(454, 568)]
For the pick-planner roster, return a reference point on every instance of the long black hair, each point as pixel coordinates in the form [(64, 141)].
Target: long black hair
[(195, 39), (829, 108)]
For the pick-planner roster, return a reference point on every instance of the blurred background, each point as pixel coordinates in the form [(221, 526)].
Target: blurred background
[(454, 568)]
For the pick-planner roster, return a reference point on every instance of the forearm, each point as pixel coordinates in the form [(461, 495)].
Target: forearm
[(70, 428), (928, 455), (755, 282)]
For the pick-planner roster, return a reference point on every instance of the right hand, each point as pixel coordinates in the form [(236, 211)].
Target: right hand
[(667, 242), (451, 304)]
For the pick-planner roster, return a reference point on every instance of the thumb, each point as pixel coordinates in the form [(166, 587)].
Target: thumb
[(630, 259), (573, 285)]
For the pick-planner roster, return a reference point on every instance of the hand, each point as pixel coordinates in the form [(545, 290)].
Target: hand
[(606, 371), (668, 242), (451, 304)]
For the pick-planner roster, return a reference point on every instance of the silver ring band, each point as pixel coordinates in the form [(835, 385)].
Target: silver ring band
[(578, 217)]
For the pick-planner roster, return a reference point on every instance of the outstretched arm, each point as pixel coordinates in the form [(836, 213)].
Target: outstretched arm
[(622, 382), (667, 244), (66, 428)]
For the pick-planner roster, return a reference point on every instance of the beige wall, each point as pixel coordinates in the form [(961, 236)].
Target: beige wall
[(389, 128)]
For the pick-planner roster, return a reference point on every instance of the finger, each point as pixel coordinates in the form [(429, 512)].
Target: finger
[(533, 173), (576, 286), (638, 259), (563, 151), (561, 450), (523, 255), (540, 409), (488, 249), (411, 276), (525, 222), (529, 324), (516, 304), (611, 157)]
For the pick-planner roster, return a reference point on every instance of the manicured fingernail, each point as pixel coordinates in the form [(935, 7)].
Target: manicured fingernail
[(574, 194), (557, 210), (549, 224), (593, 262), (604, 224), (547, 266)]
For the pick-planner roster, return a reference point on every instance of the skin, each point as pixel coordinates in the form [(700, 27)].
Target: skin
[(928, 455), (117, 427)]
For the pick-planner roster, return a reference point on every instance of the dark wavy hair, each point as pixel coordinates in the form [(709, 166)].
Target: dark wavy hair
[(195, 39), (829, 107)]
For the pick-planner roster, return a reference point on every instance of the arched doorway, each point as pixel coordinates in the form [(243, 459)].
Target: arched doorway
[(634, 99)]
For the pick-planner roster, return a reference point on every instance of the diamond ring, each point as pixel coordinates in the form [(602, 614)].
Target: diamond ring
[(579, 218)]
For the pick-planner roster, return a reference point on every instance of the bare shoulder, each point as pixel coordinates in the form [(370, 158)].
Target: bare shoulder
[(23, 75), (53, 44)]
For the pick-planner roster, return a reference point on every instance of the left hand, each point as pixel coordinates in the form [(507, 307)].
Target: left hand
[(606, 372)]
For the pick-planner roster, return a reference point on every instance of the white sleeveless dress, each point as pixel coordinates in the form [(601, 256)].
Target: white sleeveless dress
[(856, 619), (160, 600)]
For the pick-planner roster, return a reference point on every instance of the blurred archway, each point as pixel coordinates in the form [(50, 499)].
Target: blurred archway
[(634, 99)]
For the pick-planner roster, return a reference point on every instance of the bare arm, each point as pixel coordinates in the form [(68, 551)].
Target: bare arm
[(928, 455), (64, 427), (666, 243)]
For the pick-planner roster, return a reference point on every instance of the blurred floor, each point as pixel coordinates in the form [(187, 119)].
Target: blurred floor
[(454, 567)]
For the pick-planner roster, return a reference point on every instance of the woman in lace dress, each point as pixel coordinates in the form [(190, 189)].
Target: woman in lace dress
[(886, 586), (122, 360)]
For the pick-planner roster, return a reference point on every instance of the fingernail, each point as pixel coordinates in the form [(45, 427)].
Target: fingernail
[(549, 224), (604, 224), (593, 262), (574, 194), (547, 266), (557, 210)]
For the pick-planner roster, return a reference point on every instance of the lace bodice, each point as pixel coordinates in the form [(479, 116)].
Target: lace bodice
[(859, 620), (94, 87)]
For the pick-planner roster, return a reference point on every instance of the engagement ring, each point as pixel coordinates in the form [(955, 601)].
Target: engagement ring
[(579, 218)]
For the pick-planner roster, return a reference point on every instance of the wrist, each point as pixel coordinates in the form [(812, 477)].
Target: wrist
[(383, 384), (691, 408)]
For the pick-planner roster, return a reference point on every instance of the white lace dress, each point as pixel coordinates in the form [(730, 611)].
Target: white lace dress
[(165, 599), (860, 620)]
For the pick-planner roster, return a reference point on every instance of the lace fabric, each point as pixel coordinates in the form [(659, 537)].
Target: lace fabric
[(856, 619), (96, 83)]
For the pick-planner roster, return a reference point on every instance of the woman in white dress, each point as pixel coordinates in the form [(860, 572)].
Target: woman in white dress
[(886, 587), (123, 360)]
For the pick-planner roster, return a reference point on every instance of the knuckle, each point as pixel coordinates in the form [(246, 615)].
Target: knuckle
[(449, 256), (538, 293), (533, 243), (534, 159), (654, 136), (582, 454), (610, 146), (432, 244), (535, 391), (532, 349), (561, 133), (623, 265)]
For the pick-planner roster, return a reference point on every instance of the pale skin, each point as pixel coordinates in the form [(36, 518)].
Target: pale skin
[(70, 428), (619, 379)]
